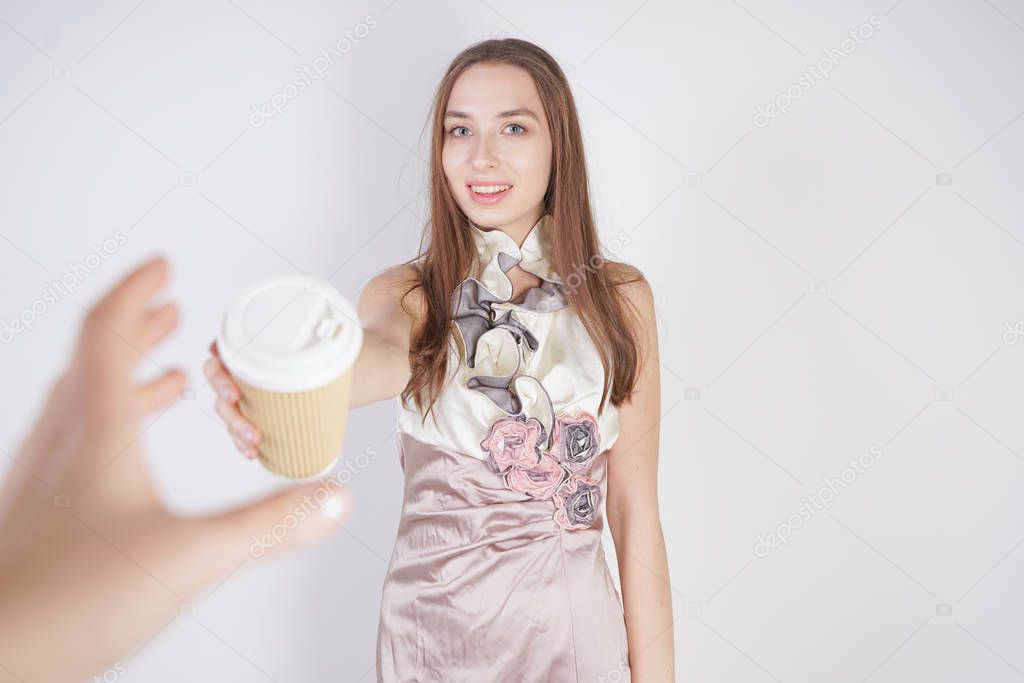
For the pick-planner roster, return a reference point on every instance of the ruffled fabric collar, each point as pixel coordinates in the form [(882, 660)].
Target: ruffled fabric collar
[(538, 453), (498, 252), (497, 342)]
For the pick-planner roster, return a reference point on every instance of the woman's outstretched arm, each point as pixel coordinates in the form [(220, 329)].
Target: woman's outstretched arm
[(632, 509), (381, 369)]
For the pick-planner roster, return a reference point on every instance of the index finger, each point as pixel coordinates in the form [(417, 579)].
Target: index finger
[(129, 297)]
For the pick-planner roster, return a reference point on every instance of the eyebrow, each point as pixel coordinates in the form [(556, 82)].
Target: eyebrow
[(522, 111)]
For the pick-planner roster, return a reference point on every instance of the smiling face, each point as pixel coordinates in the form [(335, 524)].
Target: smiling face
[(496, 137)]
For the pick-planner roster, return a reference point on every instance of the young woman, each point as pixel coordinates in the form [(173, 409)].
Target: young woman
[(526, 377)]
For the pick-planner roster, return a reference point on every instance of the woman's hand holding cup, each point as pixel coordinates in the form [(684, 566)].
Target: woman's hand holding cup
[(245, 434), (289, 345)]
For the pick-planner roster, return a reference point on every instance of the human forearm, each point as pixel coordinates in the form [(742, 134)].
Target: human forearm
[(380, 372), (382, 368), (646, 598)]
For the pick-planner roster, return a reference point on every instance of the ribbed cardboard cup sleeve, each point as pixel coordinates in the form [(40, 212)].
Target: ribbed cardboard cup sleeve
[(303, 431)]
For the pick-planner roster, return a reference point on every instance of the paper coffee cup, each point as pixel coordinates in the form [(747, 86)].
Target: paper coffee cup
[(290, 344)]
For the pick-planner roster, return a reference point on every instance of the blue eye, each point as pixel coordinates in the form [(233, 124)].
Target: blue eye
[(451, 131)]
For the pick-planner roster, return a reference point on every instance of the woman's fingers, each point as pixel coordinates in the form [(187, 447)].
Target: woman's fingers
[(241, 429), (211, 367), (244, 448), (219, 380), (243, 433)]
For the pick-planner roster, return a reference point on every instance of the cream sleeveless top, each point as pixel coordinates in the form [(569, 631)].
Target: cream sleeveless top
[(531, 359)]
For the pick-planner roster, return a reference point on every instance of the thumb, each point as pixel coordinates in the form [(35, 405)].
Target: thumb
[(295, 517)]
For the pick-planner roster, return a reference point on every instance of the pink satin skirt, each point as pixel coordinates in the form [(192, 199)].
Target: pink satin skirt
[(485, 587)]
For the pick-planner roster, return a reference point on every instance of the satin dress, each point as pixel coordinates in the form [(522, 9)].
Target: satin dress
[(498, 572)]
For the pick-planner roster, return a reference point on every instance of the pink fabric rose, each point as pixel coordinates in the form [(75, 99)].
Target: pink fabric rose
[(515, 445), (539, 481), (576, 502), (513, 442), (576, 441)]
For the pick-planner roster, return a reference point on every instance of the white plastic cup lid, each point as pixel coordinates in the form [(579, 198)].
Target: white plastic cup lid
[(291, 333)]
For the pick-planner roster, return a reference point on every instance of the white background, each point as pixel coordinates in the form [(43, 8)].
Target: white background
[(820, 291)]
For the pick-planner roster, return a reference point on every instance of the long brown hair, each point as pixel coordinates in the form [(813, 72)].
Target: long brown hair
[(575, 254)]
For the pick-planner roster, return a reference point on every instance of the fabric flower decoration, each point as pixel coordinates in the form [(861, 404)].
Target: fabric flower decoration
[(539, 481), (576, 502), (576, 441), (513, 442)]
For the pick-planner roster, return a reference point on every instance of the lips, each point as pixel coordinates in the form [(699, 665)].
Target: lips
[(489, 197), (478, 183)]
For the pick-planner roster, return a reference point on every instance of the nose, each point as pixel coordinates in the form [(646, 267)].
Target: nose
[(484, 156)]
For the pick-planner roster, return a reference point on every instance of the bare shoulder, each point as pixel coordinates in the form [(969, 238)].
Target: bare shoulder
[(643, 320), (395, 280), (632, 282)]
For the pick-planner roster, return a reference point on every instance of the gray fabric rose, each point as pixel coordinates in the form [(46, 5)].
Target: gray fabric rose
[(576, 441), (576, 503)]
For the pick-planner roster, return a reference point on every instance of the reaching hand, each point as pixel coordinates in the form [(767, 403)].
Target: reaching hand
[(91, 561)]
